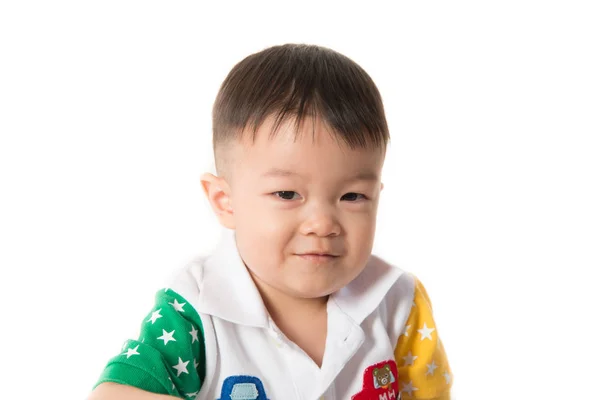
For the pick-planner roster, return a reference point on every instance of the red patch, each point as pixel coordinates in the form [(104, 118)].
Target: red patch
[(380, 382)]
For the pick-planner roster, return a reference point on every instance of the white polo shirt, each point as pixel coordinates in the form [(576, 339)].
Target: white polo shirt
[(209, 336)]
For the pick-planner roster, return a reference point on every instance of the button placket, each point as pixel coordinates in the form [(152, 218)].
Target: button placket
[(346, 338), (275, 334), (276, 337)]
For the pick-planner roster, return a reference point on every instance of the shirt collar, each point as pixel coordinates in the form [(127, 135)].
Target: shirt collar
[(362, 296), (227, 290)]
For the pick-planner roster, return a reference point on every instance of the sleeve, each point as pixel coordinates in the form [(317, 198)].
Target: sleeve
[(169, 357), (423, 369)]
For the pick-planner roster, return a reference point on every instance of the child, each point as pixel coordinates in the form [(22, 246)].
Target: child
[(291, 304)]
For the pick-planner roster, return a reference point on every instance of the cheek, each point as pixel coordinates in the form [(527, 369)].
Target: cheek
[(361, 226), (262, 217), (361, 234), (262, 234)]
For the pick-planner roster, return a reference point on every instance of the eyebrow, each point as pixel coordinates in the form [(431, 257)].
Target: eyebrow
[(361, 176), (275, 172)]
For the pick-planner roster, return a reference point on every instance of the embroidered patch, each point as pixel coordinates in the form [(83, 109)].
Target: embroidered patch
[(380, 382), (242, 387)]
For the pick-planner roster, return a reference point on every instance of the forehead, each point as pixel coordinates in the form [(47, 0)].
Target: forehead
[(314, 150)]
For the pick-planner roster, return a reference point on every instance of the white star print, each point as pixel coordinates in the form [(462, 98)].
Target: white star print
[(178, 306), (409, 388), (409, 359), (447, 376), (181, 367), (172, 383), (405, 333), (194, 333), (167, 336), (431, 368), (426, 332), (155, 315), (192, 394), (132, 352), (195, 363)]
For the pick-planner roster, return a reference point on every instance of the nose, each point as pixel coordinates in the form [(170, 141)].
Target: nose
[(321, 224)]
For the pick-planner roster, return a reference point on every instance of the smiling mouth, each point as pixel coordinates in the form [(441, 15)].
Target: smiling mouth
[(317, 258)]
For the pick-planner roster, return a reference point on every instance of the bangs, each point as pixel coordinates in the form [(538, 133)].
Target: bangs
[(295, 82)]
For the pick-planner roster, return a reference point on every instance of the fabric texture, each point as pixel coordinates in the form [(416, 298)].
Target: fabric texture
[(209, 336), (169, 356), (423, 368)]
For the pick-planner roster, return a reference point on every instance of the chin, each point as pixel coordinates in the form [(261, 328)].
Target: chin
[(312, 295), (312, 292)]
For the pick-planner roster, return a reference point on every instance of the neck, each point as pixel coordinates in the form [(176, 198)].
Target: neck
[(302, 320), (279, 304)]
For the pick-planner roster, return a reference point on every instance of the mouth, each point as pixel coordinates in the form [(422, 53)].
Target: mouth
[(318, 257)]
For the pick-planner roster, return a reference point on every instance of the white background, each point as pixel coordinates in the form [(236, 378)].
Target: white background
[(492, 180)]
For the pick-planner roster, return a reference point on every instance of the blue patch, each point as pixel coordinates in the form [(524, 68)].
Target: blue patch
[(242, 387)]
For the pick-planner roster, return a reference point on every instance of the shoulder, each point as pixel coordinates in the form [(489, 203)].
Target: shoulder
[(395, 305), (381, 289), (402, 295), (406, 312), (187, 280), (169, 357), (419, 351)]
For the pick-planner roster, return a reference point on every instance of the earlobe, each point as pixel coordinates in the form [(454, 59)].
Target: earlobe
[(218, 193), (381, 187)]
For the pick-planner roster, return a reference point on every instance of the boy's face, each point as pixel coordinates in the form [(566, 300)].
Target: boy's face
[(289, 201)]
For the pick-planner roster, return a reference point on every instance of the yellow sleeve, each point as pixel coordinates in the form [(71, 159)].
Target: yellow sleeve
[(423, 370)]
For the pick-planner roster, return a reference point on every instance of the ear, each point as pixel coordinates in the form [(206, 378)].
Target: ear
[(218, 193), (381, 187)]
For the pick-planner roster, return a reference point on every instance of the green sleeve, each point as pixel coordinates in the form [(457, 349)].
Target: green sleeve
[(169, 357)]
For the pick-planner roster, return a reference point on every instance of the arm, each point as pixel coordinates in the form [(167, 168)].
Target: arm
[(167, 360), (423, 369), (115, 391)]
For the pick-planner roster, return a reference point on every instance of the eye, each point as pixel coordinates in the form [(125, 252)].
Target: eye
[(285, 194), (353, 196)]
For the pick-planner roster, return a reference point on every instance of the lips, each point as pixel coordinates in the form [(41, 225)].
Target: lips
[(317, 257), (316, 253), (319, 252)]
